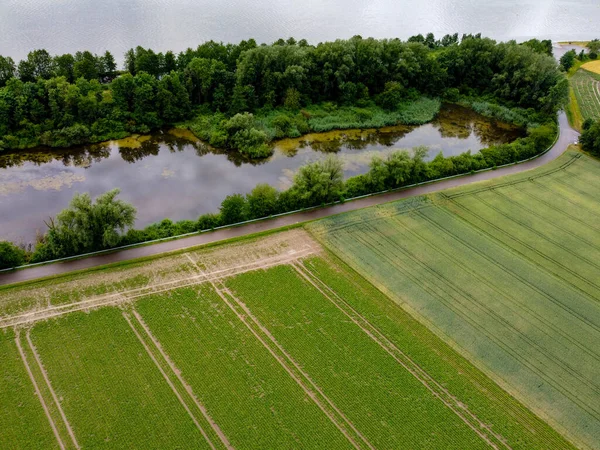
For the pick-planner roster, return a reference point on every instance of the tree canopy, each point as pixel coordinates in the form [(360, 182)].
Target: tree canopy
[(70, 99)]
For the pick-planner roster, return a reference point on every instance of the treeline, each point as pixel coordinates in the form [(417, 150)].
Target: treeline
[(68, 100), (88, 226)]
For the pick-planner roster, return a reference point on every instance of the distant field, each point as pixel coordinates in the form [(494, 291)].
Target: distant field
[(586, 87), (507, 272), (592, 66)]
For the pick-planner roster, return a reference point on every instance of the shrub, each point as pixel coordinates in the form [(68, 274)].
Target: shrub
[(11, 255)]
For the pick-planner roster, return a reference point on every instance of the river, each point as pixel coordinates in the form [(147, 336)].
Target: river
[(63, 26), (172, 174)]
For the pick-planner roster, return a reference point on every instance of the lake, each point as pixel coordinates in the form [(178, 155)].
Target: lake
[(172, 174), (65, 26)]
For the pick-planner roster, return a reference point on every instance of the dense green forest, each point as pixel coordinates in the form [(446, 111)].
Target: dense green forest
[(243, 96)]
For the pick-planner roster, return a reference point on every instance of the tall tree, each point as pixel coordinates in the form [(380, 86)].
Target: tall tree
[(7, 69)]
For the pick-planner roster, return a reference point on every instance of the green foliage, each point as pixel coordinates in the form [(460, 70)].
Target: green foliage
[(319, 182), (243, 136), (568, 60), (261, 201), (233, 209), (541, 46), (225, 80), (392, 96), (590, 137), (11, 255), (86, 226)]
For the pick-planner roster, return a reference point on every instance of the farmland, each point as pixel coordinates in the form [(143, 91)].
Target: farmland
[(186, 352), (506, 272), (585, 86), (592, 66)]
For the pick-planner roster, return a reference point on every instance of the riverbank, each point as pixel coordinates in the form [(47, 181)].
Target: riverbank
[(565, 138)]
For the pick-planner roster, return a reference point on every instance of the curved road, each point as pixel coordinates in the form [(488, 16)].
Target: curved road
[(567, 136)]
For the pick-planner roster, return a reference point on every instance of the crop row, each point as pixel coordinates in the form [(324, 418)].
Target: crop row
[(111, 392), (587, 92), (244, 389), (471, 387), (381, 398)]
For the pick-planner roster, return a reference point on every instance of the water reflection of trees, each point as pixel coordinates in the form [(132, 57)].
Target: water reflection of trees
[(78, 157), (453, 121)]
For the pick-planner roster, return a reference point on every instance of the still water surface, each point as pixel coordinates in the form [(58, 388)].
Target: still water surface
[(69, 25), (173, 175)]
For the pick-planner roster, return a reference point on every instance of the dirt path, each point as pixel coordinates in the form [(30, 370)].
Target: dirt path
[(38, 393), (483, 430), (567, 136), (51, 389), (171, 385), (313, 393), (132, 294)]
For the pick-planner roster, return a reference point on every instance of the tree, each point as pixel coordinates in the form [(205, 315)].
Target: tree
[(233, 209), (568, 60), (262, 201), (87, 226), (7, 69), (594, 46), (86, 66), (109, 66), (10, 255), (63, 67), (590, 137), (544, 47), (173, 101), (39, 64), (391, 97), (319, 182)]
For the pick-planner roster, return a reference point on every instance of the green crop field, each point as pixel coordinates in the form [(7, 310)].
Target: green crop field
[(586, 86), (507, 273), (466, 319)]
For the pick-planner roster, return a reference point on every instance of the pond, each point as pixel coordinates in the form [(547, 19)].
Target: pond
[(172, 174)]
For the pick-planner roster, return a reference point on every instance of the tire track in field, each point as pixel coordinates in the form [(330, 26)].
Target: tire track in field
[(285, 360), (51, 389), (429, 325), (510, 298), (188, 389), (498, 318), (129, 295), (442, 299), (560, 211), (545, 220), (492, 374), (533, 250), (38, 392), (405, 361)]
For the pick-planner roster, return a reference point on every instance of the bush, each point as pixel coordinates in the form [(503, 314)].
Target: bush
[(11, 255), (208, 222), (233, 209)]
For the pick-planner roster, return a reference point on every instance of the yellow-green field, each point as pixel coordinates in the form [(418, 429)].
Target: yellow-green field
[(507, 272), (592, 66), (469, 319)]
